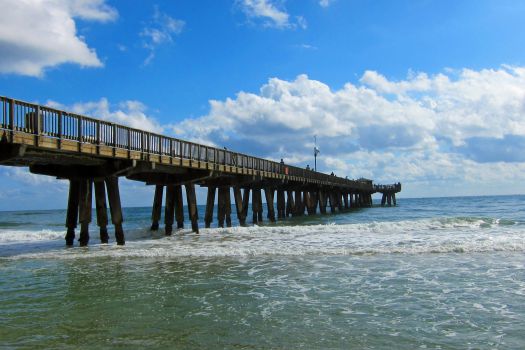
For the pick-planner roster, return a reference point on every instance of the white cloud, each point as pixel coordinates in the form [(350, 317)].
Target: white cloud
[(39, 34), (422, 129), (130, 113), (325, 3), (160, 31), (271, 13)]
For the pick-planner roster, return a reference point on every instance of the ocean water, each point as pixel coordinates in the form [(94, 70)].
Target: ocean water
[(441, 273)]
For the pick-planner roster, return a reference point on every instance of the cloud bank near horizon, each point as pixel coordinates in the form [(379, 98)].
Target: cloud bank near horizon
[(464, 126), (456, 132)]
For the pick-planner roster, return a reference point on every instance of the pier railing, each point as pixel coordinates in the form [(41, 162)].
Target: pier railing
[(388, 188), (20, 116)]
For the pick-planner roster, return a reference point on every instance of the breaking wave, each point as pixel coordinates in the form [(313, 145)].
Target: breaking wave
[(423, 236)]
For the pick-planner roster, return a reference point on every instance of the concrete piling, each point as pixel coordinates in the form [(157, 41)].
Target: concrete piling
[(102, 210), (84, 210), (157, 207), (192, 207), (72, 211), (115, 208)]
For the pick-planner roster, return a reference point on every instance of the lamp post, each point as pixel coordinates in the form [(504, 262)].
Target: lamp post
[(316, 152)]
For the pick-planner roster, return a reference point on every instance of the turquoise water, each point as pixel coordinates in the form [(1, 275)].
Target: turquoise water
[(445, 273)]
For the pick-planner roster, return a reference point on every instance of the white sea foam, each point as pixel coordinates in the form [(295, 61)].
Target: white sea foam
[(10, 236), (460, 235)]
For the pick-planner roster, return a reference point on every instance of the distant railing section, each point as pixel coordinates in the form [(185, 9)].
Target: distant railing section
[(41, 120), (388, 188)]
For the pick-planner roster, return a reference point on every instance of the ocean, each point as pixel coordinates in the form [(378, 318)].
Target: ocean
[(436, 273)]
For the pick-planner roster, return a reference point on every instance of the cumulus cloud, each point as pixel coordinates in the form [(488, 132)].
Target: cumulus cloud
[(271, 14), (160, 31), (460, 126), (35, 35), (130, 113)]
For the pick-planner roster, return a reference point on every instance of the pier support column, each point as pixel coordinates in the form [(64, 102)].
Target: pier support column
[(281, 205), (210, 202), (241, 215), (268, 192), (221, 207), (394, 199), (115, 208), (345, 199), (351, 200), (179, 207), (383, 199), (245, 204), (228, 206), (192, 207), (322, 202), (333, 204), (339, 200), (308, 200), (169, 210), (257, 205), (102, 210), (84, 210), (389, 199), (299, 205), (157, 206), (290, 204), (72, 211)]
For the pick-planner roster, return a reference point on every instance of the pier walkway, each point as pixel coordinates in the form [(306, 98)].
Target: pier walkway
[(95, 153)]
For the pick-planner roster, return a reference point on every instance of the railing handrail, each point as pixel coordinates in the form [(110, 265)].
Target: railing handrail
[(89, 129)]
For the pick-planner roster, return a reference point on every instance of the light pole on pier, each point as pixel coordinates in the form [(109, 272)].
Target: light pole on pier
[(316, 152)]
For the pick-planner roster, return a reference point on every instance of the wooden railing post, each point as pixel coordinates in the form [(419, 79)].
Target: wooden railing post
[(12, 115), (59, 133), (79, 132), (37, 123)]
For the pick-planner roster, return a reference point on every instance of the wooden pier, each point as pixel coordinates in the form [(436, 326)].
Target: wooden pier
[(93, 153)]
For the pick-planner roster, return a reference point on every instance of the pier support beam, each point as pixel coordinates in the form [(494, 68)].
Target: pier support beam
[(389, 199), (269, 192), (115, 208), (322, 201), (84, 210), (345, 199), (157, 206), (290, 204), (281, 204), (299, 205), (333, 203), (224, 207), (179, 207), (245, 204), (257, 205), (237, 195), (169, 210), (210, 202), (192, 207), (311, 204), (339, 200), (383, 199), (228, 206), (221, 207), (72, 211), (102, 210), (394, 199)]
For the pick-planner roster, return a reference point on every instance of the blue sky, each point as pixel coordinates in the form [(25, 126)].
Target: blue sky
[(429, 93)]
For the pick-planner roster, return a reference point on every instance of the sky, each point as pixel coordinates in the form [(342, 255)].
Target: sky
[(428, 93)]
